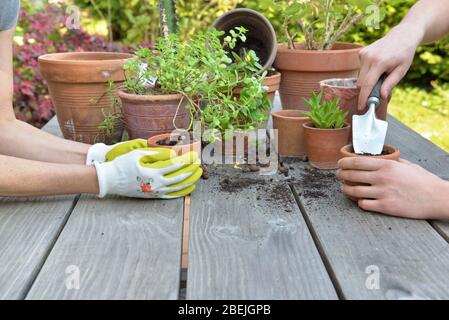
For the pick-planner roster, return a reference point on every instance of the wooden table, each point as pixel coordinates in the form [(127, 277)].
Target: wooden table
[(273, 237)]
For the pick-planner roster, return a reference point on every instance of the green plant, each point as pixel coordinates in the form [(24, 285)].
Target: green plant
[(223, 90), (114, 115), (325, 114), (322, 22)]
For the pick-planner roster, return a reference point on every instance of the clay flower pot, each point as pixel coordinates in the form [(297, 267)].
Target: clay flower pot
[(78, 84), (302, 70), (150, 115), (272, 81), (323, 145), (347, 91), (261, 37), (389, 153), (160, 141), (289, 124)]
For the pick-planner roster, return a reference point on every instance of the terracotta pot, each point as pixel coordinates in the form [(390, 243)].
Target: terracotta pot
[(289, 124), (150, 115), (261, 37), (78, 83), (272, 81), (302, 70), (179, 149), (348, 151), (323, 145), (346, 90)]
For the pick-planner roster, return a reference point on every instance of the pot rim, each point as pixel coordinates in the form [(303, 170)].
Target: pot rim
[(395, 151), (309, 125), (352, 48), (162, 136), (323, 83), (148, 97), (53, 57), (278, 114)]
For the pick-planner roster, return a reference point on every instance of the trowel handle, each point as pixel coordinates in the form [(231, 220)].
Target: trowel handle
[(374, 97)]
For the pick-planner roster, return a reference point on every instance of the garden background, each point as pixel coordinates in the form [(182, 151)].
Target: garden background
[(421, 100)]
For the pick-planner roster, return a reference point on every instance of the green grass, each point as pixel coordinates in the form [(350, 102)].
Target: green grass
[(426, 112)]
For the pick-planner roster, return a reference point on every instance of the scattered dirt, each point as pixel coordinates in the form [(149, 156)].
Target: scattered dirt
[(233, 185), (174, 141), (205, 175), (315, 181)]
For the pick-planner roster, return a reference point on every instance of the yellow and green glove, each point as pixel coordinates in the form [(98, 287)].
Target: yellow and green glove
[(132, 170), (102, 153)]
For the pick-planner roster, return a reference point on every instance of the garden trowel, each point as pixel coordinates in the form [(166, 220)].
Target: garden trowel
[(368, 132)]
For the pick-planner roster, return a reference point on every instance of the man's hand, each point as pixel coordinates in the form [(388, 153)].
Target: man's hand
[(395, 188), (392, 55)]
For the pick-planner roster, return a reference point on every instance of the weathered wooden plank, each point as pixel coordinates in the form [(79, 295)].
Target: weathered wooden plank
[(28, 230), (410, 256), (122, 249), (248, 241), (423, 152)]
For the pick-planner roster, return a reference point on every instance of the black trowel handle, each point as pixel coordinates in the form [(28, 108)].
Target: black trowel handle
[(374, 97)]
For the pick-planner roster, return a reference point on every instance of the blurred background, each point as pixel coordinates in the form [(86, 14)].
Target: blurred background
[(421, 100)]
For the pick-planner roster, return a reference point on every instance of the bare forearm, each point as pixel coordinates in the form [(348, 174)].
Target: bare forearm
[(428, 20), (32, 178), (24, 141)]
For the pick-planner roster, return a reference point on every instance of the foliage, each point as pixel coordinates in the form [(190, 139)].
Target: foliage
[(325, 114), (423, 111), (114, 115), (322, 22), (202, 70), (39, 33)]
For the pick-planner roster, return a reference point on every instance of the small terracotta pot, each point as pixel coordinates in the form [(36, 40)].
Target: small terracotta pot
[(289, 124), (78, 83), (272, 81), (150, 115), (179, 149), (323, 145), (302, 70), (348, 151), (347, 91), (261, 37)]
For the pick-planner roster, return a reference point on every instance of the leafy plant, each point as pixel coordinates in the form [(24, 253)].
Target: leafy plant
[(114, 115), (326, 114), (322, 22), (223, 90)]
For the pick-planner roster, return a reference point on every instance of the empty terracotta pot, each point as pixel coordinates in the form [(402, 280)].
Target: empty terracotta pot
[(261, 37), (150, 115), (302, 70), (78, 85), (391, 153), (180, 149), (324, 145), (289, 124), (347, 91)]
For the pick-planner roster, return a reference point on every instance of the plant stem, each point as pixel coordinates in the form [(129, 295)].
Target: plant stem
[(168, 18)]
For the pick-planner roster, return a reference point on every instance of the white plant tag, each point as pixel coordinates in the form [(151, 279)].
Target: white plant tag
[(151, 81)]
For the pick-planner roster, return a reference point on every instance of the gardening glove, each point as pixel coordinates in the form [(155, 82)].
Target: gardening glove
[(145, 174), (103, 153)]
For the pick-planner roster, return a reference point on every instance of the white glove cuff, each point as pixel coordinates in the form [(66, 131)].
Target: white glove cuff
[(105, 173), (97, 153)]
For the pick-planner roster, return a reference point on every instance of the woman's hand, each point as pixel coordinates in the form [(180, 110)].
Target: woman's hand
[(392, 55), (396, 188)]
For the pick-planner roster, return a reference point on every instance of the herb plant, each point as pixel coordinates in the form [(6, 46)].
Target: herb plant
[(325, 114), (223, 89), (322, 22), (114, 115)]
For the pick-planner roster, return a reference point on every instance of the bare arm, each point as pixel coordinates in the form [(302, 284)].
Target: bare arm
[(31, 178), (426, 22), (19, 139)]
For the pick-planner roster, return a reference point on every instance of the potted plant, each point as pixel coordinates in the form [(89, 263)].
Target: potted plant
[(82, 88), (388, 153), (152, 92), (347, 92), (303, 65), (327, 132), (290, 133)]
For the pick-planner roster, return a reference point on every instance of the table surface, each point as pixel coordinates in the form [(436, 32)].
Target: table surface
[(271, 237)]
